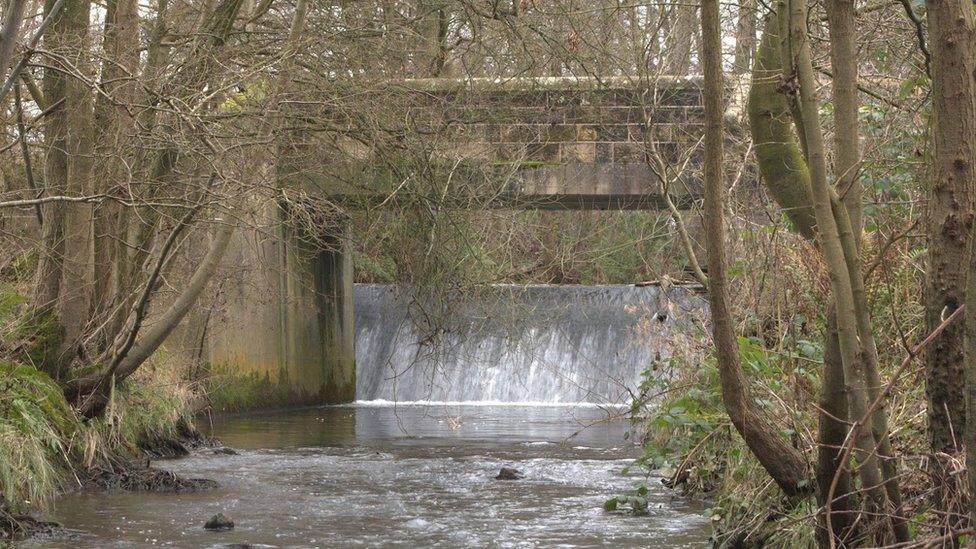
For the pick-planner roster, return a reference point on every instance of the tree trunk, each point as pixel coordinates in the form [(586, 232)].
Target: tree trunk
[(843, 62), (76, 286), (950, 225), (680, 39), (784, 463), (829, 241), (781, 161), (61, 286), (843, 59), (832, 428), (950, 214), (114, 130), (745, 36), (13, 18)]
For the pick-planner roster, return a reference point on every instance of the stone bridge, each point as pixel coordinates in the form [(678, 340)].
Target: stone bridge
[(285, 329)]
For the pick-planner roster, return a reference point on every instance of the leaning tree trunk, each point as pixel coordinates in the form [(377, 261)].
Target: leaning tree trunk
[(13, 17), (92, 391), (785, 464)]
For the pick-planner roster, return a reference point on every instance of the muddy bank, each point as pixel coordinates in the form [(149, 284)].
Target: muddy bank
[(145, 478), (18, 527), (122, 474)]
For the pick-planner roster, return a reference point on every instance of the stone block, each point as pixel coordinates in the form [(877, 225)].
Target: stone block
[(579, 152), (559, 133)]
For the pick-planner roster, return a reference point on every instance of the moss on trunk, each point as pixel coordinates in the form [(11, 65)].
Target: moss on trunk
[(784, 170)]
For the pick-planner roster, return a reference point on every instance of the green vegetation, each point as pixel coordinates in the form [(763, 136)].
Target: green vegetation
[(47, 447), (38, 429), (686, 435), (229, 392), (635, 502)]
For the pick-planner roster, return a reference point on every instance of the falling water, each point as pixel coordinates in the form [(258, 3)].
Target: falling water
[(519, 344)]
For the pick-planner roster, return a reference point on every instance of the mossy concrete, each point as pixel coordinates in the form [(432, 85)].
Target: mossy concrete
[(283, 334)]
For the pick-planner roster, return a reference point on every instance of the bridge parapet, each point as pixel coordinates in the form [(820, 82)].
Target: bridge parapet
[(546, 143)]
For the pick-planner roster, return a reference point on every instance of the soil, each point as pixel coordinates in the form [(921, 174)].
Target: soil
[(16, 527)]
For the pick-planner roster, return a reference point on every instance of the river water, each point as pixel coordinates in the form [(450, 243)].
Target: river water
[(399, 476), (420, 474)]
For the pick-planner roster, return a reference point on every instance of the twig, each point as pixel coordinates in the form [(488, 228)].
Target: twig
[(852, 434), (31, 44), (920, 34)]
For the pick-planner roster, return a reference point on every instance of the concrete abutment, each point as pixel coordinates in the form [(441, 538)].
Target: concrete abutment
[(282, 333)]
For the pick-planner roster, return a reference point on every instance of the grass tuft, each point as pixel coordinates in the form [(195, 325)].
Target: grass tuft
[(36, 427)]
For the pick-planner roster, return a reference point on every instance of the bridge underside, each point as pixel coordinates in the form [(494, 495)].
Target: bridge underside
[(561, 145), (570, 186)]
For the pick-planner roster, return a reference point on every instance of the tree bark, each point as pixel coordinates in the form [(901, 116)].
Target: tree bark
[(950, 214), (843, 59), (784, 463), (829, 241), (832, 428), (61, 264), (781, 161), (13, 18), (950, 227), (114, 129), (680, 40), (745, 36), (843, 62)]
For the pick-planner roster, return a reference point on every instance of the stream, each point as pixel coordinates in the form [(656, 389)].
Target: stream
[(379, 475), (528, 377)]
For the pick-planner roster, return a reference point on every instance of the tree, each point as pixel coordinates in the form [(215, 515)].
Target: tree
[(952, 39), (784, 463), (949, 216), (796, 175)]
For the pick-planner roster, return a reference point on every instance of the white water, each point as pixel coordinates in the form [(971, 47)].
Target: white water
[(529, 345)]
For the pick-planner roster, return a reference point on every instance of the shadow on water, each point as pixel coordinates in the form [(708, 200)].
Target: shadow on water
[(407, 476)]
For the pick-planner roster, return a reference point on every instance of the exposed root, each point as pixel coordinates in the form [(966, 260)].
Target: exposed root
[(140, 477), (15, 527), (187, 439)]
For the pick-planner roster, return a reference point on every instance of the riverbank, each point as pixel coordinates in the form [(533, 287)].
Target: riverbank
[(48, 450)]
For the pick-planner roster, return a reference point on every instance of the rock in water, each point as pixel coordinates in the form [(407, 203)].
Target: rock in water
[(219, 521), (225, 451), (507, 473)]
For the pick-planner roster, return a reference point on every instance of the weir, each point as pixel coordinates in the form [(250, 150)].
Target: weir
[(284, 333), (521, 344)]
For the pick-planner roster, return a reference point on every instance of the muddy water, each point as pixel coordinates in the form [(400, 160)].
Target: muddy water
[(404, 476)]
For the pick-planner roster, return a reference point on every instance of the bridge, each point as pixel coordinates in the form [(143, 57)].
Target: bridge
[(527, 143)]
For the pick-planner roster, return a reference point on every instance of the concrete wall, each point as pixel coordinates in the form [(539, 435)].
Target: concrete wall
[(282, 333)]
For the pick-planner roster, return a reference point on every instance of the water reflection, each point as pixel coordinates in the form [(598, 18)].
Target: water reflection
[(410, 476)]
